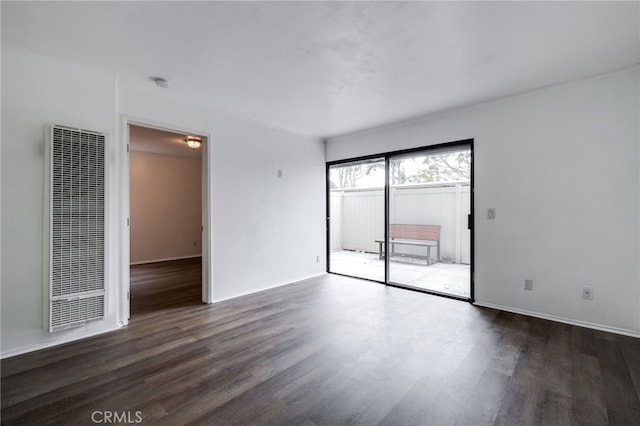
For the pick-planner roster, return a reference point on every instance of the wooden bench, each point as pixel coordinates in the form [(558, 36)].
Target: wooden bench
[(412, 235)]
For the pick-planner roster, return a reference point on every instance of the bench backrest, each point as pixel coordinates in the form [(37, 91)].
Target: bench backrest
[(415, 232)]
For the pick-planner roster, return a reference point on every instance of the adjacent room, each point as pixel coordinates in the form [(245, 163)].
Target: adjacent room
[(320, 213), (165, 205)]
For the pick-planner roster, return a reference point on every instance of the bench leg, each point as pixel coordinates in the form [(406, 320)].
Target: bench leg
[(381, 252)]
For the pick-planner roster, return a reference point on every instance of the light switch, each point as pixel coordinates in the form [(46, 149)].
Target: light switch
[(491, 214)]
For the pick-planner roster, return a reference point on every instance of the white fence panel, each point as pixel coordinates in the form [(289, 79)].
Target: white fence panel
[(444, 206), (465, 234), (362, 219), (426, 206), (357, 218), (336, 220)]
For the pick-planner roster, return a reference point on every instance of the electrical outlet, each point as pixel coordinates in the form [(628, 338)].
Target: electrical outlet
[(491, 214), (587, 293), (528, 284), (279, 173)]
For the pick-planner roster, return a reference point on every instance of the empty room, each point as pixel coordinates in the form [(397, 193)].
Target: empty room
[(320, 213)]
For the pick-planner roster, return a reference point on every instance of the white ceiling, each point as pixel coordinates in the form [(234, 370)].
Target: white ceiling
[(329, 68)]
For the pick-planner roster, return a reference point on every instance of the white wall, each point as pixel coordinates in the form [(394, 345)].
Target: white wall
[(36, 92), (268, 235), (165, 207), (561, 168), (272, 229), (266, 230)]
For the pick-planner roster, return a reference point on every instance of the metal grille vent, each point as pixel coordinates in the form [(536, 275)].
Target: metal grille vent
[(67, 313), (75, 276)]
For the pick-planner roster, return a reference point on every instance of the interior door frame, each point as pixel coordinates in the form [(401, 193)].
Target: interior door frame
[(125, 235), (386, 156)]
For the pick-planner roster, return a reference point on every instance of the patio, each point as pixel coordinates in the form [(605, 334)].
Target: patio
[(449, 278)]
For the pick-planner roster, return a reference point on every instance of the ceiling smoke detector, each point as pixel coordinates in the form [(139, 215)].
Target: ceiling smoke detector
[(161, 82)]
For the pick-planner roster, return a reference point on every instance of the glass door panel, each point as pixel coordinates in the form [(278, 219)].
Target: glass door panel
[(356, 218), (428, 237)]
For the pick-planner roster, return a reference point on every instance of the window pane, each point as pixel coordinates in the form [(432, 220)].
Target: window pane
[(429, 200), (356, 222)]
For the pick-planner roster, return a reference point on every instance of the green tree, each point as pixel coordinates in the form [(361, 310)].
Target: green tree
[(444, 167), (397, 173), (350, 176)]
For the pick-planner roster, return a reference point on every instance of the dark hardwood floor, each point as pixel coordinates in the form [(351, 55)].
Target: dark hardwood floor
[(163, 285), (327, 351)]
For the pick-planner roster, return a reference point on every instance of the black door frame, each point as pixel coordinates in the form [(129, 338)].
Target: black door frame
[(386, 156)]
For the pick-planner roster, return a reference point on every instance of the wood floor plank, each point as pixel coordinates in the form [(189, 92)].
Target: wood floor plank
[(618, 387), (298, 383), (630, 348), (588, 407), (330, 350)]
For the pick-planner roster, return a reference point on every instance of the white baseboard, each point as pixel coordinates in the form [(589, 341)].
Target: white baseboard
[(585, 324), (144, 262), (45, 345), (281, 284)]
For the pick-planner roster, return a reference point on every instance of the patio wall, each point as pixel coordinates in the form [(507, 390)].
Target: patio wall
[(357, 217)]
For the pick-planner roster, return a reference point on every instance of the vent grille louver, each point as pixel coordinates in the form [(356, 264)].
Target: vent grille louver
[(66, 313), (75, 280)]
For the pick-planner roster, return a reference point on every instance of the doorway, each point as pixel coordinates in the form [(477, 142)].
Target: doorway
[(166, 212), (404, 219)]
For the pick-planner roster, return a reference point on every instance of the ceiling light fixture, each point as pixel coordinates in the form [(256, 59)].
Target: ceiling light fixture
[(194, 142), (161, 82)]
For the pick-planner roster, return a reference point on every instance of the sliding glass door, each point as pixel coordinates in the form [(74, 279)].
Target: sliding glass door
[(429, 206), (356, 212), (404, 219)]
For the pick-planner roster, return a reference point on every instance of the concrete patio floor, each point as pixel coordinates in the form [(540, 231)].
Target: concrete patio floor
[(449, 278)]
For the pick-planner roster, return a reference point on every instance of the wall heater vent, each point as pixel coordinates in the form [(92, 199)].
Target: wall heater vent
[(74, 271)]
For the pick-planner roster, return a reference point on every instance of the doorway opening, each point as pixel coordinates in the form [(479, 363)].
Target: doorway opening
[(165, 219), (404, 219)]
